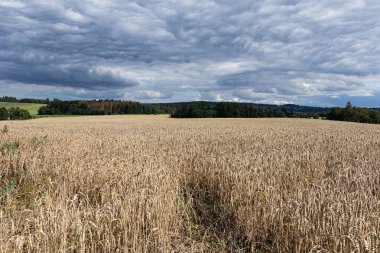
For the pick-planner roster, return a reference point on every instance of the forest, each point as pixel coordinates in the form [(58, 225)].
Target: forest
[(24, 100), (241, 110), (238, 110), (176, 110), (101, 107), (354, 114)]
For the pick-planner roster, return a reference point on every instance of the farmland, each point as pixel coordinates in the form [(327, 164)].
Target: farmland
[(32, 108), (155, 184)]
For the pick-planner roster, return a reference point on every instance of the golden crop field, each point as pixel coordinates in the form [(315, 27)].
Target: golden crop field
[(155, 184)]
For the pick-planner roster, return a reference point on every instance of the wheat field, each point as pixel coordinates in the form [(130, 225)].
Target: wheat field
[(155, 184)]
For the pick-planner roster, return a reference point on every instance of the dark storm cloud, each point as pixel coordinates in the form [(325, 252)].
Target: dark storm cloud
[(67, 75), (272, 50)]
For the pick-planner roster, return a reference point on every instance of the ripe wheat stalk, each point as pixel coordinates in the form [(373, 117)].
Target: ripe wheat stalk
[(155, 184)]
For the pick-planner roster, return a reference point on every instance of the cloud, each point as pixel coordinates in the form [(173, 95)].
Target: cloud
[(146, 95), (266, 50), (295, 83), (67, 75)]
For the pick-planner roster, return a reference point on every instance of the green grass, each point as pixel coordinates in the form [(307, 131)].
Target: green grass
[(32, 108)]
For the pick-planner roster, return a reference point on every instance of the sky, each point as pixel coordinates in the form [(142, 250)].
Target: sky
[(314, 52)]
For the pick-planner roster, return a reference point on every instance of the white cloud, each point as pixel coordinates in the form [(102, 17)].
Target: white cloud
[(173, 50)]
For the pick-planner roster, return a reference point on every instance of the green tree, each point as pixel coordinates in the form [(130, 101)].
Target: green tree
[(4, 115), (18, 114), (354, 114)]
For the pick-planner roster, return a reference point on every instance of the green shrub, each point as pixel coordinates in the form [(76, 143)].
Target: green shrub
[(19, 114), (4, 115)]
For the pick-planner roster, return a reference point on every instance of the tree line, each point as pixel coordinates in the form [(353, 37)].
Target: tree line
[(24, 100), (176, 110), (354, 114), (14, 114), (189, 110), (242, 110), (238, 110), (204, 110), (101, 107)]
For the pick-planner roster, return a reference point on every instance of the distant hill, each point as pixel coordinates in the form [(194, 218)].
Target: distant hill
[(290, 107), (24, 100)]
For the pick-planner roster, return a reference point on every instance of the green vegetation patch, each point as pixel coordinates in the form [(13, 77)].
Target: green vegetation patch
[(32, 108)]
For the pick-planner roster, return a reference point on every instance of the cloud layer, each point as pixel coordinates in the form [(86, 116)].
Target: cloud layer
[(271, 51)]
